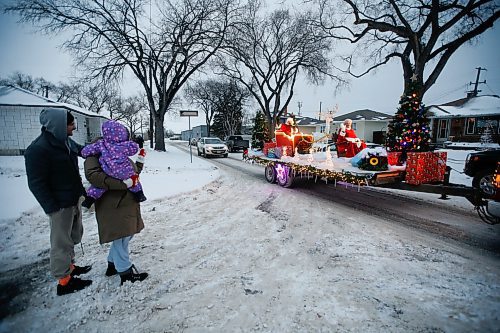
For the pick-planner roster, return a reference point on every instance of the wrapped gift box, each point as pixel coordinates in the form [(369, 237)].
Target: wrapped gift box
[(278, 151), (267, 146), (393, 157), (425, 167)]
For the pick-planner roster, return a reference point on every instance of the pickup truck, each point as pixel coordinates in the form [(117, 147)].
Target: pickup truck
[(481, 166), (236, 142)]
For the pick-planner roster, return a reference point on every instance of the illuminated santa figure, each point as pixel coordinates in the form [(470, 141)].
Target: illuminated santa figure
[(289, 127), (348, 144)]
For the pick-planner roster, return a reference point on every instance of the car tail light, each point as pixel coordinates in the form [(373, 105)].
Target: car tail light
[(496, 182)]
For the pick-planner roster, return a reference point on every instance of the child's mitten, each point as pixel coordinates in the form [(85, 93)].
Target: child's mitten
[(142, 156), (132, 181)]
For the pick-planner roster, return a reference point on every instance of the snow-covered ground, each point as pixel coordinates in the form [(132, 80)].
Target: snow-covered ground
[(209, 261)]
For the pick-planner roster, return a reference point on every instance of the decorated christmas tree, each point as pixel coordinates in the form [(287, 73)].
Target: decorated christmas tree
[(409, 128), (486, 136), (260, 133)]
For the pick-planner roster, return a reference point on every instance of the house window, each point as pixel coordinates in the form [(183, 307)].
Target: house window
[(354, 126), (443, 129), (470, 126)]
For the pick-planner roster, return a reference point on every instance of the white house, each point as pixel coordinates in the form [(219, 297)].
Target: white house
[(20, 124), (369, 125)]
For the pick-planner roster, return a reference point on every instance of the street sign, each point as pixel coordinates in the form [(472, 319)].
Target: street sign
[(188, 113)]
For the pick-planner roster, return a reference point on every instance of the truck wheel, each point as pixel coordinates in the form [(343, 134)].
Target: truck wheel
[(270, 174), (286, 180), (483, 180)]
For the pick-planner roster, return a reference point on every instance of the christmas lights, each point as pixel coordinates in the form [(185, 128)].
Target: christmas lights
[(409, 130), (282, 170)]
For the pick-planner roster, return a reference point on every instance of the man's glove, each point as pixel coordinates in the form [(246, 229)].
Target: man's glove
[(132, 181), (142, 156)]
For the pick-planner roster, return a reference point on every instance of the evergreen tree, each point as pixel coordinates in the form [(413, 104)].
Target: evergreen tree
[(218, 126), (409, 128), (260, 132)]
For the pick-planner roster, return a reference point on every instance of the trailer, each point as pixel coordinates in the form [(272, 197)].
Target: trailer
[(286, 171)]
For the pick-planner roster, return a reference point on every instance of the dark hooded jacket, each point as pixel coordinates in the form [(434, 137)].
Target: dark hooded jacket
[(52, 164)]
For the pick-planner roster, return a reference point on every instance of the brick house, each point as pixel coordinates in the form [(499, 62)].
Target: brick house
[(20, 124), (465, 120)]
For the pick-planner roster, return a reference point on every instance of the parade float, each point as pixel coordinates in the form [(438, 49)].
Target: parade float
[(293, 155)]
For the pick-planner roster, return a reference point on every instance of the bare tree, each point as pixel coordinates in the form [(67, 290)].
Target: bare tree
[(202, 94), (66, 93), (25, 81), (111, 37), (129, 111), (422, 34), (266, 53), (228, 103)]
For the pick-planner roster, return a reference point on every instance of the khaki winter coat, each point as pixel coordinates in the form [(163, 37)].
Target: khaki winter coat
[(117, 213)]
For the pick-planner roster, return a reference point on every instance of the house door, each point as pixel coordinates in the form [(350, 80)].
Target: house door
[(443, 129)]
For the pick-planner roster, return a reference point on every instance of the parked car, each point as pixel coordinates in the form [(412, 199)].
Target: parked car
[(481, 166), (331, 147), (236, 142), (211, 147), (193, 141)]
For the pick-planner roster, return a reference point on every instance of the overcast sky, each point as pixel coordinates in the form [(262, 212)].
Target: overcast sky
[(25, 50)]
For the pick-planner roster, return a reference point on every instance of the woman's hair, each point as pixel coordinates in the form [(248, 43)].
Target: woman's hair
[(69, 118), (348, 121)]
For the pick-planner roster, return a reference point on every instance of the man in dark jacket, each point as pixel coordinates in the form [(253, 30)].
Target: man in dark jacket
[(54, 179)]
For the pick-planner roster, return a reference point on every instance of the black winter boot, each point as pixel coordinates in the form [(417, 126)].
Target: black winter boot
[(78, 270), (132, 275), (111, 269), (74, 284)]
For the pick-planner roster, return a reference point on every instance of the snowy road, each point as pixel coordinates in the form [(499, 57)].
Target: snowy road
[(243, 255), (453, 220)]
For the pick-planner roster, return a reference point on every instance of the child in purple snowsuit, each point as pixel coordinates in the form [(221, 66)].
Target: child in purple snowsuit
[(114, 149)]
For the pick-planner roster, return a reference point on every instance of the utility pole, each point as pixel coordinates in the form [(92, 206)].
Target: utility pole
[(299, 104), (475, 91)]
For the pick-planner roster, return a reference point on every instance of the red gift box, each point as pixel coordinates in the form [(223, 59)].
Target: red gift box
[(267, 146), (393, 157), (425, 167)]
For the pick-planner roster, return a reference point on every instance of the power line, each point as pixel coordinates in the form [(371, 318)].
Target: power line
[(463, 86), (491, 89)]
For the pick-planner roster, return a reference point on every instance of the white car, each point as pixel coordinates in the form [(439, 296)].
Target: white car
[(211, 147)]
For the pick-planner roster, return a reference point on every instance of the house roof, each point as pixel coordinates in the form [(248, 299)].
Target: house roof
[(364, 114), (308, 121), (466, 107), (15, 96)]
